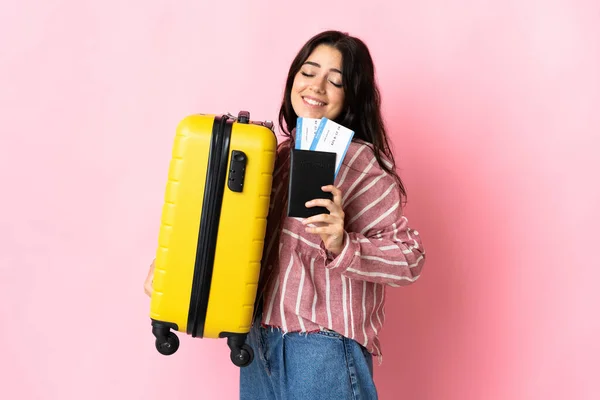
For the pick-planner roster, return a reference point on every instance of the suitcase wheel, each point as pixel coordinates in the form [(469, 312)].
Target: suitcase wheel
[(167, 345), (243, 356), (166, 342)]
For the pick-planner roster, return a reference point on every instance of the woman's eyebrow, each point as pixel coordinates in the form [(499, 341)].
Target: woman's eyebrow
[(319, 66)]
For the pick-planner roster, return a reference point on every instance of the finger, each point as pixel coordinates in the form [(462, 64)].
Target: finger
[(337, 193), (148, 284), (328, 204), (329, 232), (326, 219)]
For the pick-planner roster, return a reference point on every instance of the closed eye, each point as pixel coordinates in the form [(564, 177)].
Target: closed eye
[(337, 85)]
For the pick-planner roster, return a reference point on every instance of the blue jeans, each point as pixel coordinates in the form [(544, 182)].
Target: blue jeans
[(295, 366)]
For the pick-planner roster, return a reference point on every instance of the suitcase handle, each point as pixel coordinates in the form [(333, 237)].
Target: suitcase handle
[(244, 118)]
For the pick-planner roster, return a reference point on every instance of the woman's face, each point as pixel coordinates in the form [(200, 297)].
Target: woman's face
[(317, 90)]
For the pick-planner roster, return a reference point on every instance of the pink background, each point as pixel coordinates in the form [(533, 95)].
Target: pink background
[(494, 112)]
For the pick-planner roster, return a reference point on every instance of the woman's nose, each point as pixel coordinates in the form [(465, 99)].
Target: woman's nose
[(319, 85)]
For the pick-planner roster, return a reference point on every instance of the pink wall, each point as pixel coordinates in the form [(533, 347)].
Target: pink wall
[(493, 107)]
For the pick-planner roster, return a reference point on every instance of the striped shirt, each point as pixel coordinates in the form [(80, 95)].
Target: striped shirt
[(308, 289)]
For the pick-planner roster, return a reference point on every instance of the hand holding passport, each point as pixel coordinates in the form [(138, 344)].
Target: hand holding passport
[(321, 146)]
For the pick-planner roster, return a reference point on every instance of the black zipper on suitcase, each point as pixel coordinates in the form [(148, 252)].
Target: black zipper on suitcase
[(216, 175)]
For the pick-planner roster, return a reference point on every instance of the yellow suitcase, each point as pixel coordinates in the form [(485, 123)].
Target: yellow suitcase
[(212, 231)]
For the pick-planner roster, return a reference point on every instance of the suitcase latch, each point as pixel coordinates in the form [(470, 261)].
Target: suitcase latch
[(237, 171)]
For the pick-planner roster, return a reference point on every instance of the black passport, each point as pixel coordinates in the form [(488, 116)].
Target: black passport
[(309, 171)]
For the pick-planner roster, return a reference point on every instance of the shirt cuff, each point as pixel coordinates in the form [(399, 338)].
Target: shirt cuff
[(333, 261)]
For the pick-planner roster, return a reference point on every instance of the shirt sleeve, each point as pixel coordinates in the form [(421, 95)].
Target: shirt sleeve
[(380, 247)]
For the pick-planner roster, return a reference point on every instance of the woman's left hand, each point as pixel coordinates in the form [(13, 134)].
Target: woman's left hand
[(329, 226)]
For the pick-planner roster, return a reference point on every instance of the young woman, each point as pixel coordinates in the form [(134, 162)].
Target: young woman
[(323, 280)]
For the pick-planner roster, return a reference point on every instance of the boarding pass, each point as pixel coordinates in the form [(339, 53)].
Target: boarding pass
[(305, 132), (332, 137)]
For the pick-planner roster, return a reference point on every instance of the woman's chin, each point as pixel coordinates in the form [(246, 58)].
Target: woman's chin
[(317, 114)]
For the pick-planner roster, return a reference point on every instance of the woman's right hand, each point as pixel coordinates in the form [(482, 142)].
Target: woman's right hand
[(149, 278)]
